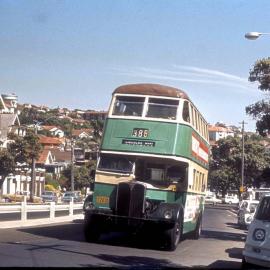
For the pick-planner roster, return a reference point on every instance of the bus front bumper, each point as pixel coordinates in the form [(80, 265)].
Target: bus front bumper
[(108, 220)]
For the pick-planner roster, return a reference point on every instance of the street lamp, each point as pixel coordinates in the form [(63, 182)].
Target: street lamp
[(33, 169), (254, 35)]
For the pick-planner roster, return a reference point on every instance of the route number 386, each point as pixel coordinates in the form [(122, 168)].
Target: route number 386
[(140, 132)]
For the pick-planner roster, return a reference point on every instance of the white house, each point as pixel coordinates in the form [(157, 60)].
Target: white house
[(216, 133), (55, 131)]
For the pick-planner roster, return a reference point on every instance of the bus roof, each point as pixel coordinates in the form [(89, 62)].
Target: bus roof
[(151, 89)]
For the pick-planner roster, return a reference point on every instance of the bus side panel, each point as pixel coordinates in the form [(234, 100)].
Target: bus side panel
[(193, 208)]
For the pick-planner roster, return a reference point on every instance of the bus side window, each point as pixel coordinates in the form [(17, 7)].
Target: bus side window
[(185, 114)]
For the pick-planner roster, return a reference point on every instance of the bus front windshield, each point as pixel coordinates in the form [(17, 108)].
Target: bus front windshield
[(162, 108), (129, 106)]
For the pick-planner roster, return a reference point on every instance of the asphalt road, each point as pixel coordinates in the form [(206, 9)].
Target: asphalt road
[(63, 245)]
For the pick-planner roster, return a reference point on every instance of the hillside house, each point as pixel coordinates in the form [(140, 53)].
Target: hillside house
[(54, 131)]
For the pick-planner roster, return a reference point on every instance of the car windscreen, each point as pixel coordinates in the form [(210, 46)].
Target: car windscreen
[(263, 212), (47, 193)]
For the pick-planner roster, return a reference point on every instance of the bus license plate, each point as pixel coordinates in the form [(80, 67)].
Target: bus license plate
[(102, 199)]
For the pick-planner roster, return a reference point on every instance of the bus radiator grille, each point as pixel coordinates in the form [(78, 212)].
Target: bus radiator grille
[(130, 199)]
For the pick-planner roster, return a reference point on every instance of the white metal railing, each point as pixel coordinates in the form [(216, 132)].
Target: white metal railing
[(52, 207)]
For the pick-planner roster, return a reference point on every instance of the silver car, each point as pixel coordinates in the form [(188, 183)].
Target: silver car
[(76, 195), (257, 246), (49, 196)]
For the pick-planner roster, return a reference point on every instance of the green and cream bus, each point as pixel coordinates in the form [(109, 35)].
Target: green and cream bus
[(152, 167)]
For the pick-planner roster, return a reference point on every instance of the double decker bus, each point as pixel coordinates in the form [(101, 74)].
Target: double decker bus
[(152, 168)]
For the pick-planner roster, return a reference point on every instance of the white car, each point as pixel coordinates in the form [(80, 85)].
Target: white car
[(246, 212), (231, 199), (210, 199), (257, 246)]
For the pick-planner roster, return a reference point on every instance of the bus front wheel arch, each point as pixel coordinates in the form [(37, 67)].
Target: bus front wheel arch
[(197, 232), (91, 229), (174, 235)]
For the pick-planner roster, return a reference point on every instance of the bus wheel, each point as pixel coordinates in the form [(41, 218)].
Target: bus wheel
[(246, 265), (174, 235), (91, 229), (197, 232)]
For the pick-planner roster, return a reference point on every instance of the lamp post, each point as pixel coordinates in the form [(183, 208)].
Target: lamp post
[(72, 165), (254, 35), (33, 172), (33, 169), (243, 158)]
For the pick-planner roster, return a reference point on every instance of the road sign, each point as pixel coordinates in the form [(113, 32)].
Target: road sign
[(241, 189)]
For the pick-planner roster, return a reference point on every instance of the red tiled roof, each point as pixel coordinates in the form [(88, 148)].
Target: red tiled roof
[(94, 112), (218, 129), (49, 140), (79, 121), (49, 127), (43, 156), (77, 132)]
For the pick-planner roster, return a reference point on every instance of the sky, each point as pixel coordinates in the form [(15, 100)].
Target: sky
[(73, 54)]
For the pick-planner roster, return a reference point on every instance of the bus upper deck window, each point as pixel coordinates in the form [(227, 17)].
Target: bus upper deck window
[(162, 108), (129, 106), (185, 113)]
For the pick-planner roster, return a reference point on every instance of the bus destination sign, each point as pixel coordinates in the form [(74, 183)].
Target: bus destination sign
[(139, 142)]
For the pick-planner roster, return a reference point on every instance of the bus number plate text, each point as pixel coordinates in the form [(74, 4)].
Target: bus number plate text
[(140, 132)]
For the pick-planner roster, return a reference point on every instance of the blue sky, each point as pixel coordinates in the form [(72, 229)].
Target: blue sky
[(75, 53)]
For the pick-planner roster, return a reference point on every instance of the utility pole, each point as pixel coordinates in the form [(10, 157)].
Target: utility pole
[(243, 157), (72, 166), (33, 174)]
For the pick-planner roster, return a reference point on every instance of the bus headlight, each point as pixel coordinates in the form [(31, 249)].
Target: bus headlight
[(249, 218), (168, 214), (259, 235), (88, 205)]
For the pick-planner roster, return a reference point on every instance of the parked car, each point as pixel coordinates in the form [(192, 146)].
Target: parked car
[(76, 195), (231, 199), (212, 199), (246, 212), (257, 246), (49, 196)]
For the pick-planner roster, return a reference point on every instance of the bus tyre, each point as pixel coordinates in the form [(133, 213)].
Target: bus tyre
[(174, 235), (246, 265), (91, 229), (197, 232)]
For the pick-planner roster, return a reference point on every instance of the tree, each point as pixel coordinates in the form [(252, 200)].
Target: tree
[(7, 165), (26, 150), (82, 177), (98, 129), (226, 162), (260, 110)]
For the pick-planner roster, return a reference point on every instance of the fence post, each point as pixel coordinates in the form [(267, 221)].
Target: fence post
[(71, 207), (24, 209), (52, 210)]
